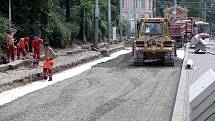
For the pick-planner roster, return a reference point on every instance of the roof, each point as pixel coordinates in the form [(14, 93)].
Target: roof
[(201, 22), (177, 7)]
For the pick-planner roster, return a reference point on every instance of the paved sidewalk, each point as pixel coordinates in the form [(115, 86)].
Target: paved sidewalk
[(21, 73), (202, 63)]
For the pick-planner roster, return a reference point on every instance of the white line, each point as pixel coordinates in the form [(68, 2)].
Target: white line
[(13, 94)]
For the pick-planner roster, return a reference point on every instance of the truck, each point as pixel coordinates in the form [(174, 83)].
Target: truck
[(181, 27)]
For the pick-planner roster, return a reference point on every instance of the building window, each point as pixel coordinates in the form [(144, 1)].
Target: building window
[(123, 3), (143, 4)]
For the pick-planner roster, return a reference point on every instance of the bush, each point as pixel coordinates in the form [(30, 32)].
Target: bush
[(103, 26), (2, 32), (63, 33)]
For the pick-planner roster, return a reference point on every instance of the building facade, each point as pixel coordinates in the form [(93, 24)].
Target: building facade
[(134, 10)]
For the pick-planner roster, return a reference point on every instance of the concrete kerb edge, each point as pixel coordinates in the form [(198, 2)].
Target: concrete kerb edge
[(178, 111), (37, 76)]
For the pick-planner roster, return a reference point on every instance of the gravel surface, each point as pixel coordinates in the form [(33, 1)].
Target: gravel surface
[(111, 91)]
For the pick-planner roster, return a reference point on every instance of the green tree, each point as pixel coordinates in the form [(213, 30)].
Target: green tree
[(57, 21)]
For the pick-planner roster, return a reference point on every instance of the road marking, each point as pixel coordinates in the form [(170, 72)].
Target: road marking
[(9, 96)]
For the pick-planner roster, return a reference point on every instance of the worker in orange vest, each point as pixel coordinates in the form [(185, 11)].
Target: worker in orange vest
[(21, 45), (47, 69), (36, 46), (10, 44)]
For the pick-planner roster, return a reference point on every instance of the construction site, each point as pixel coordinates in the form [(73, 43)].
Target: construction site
[(165, 73)]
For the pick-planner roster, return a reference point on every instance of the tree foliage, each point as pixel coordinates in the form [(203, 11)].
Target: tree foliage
[(58, 21)]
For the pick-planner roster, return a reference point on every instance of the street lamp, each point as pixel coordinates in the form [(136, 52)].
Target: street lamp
[(120, 20), (9, 13), (109, 22), (129, 19), (96, 26), (175, 11), (84, 24)]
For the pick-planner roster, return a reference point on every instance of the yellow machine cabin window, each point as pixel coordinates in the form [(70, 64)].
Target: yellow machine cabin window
[(153, 29)]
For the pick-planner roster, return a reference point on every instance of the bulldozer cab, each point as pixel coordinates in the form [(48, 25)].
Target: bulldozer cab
[(153, 27), (154, 42)]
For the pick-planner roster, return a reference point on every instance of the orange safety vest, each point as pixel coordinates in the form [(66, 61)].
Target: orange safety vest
[(48, 64), (22, 43)]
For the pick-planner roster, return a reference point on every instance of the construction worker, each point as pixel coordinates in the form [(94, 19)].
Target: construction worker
[(36, 46), (10, 44), (21, 45), (47, 68), (48, 64)]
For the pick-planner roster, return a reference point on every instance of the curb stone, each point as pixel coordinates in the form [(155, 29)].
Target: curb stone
[(38, 75), (178, 111)]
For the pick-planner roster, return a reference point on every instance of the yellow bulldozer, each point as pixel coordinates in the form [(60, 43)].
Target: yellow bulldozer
[(154, 43)]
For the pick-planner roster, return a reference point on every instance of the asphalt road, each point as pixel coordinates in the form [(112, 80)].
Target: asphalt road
[(111, 91)]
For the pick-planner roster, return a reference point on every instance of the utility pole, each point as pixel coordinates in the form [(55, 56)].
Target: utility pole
[(120, 24), (96, 25), (10, 14), (155, 8), (175, 11), (202, 10), (135, 19), (109, 22), (67, 10), (129, 19), (205, 12), (84, 25), (138, 18)]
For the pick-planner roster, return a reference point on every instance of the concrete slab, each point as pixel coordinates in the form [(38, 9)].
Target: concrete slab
[(75, 51), (206, 114), (195, 40), (211, 118), (2, 75), (15, 64), (4, 67), (203, 106), (200, 46), (202, 88), (87, 47)]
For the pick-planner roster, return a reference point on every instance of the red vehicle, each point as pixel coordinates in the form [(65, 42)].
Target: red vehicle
[(181, 29), (189, 26)]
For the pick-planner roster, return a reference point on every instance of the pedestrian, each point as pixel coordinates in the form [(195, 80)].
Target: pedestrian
[(21, 45), (47, 69), (10, 44), (36, 46)]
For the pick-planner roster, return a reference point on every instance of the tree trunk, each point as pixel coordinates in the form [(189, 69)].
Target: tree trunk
[(67, 10)]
